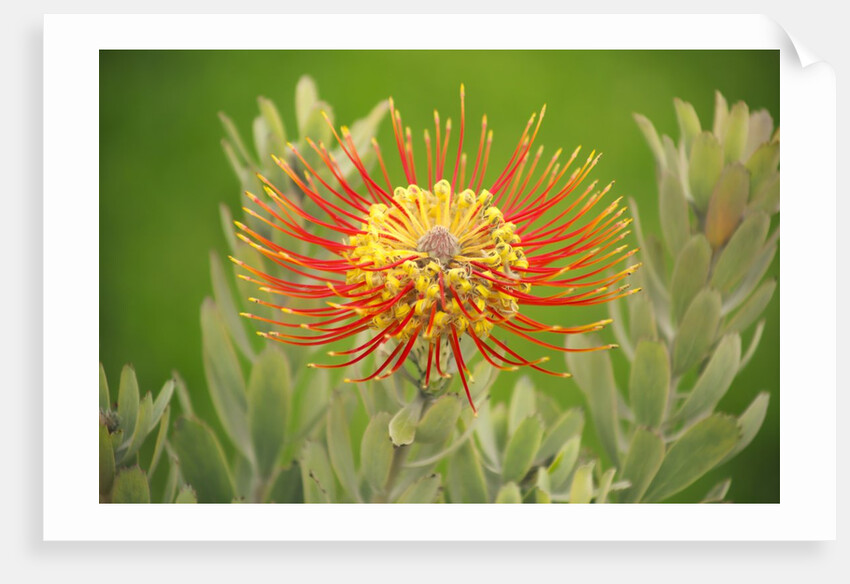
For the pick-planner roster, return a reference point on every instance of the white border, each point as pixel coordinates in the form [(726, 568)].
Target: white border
[(808, 369)]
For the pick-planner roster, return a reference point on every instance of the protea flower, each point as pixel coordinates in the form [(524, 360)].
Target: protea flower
[(423, 263)]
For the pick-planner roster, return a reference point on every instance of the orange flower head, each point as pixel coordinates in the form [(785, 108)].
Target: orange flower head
[(424, 265)]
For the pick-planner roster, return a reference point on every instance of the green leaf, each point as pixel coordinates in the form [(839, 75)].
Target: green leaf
[(735, 133), (752, 308), (523, 403), (262, 139), (159, 445), (106, 461), (642, 462), (673, 211), (721, 112), (654, 271), (642, 323), (649, 383), (542, 488), (653, 140), (605, 486), (117, 440), (161, 402), (425, 490), (509, 493), (522, 446), (242, 171), (202, 461), (689, 274), (186, 495), (714, 380), (244, 476), (171, 479), (762, 165), (439, 419), (671, 154), (689, 126), (581, 490), (317, 129), (754, 275), (569, 424), (699, 450), (287, 487), (697, 331), (717, 492), (268, 395), (309, 402), (484, 376), (749, 424), (128, 400), (339, 447), (272, 117), (316, 474), (105, 403), (403, 425), (704, 167), (306, 96), (761, 126), (182, 395), (485, 435), (561, 467), (766, 198), (140, 432), (593, 373), (224, 378), (131, 486), (227, 307), (376, 451), (499, 422), (236, 140), (727, 204), (466, 477), (754, 343), (362, 132), (740, 253)]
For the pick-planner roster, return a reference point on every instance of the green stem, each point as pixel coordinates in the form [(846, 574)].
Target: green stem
[(399, 456)]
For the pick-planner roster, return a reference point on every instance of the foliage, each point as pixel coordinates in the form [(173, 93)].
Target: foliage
[(124, 427), (295, 434)]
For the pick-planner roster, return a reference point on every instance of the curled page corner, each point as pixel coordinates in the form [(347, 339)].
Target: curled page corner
[(805, 56)]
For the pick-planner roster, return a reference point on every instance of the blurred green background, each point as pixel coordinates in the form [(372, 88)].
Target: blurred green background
[(163, 175)]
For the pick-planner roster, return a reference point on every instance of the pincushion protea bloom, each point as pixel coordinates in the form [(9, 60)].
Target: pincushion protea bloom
[(423, 265)]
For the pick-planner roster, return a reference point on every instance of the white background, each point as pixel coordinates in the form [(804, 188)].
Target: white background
[(22, 428)]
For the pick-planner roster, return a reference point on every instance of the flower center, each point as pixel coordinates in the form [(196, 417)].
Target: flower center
[(439, 243), (436, 263)]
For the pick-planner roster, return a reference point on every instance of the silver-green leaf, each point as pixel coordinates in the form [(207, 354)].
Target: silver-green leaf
[(581, 490), (224, 377), (521, 448), (690, 273), (642, 462), (131, 486), (593, 373), (714, 380), (699, 450), (403, 425), (201, 460), (739, 254), (749, 423), (705, 165), (376, 451), (268, 395), (649, 383), (128, 401), (697, 331)]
